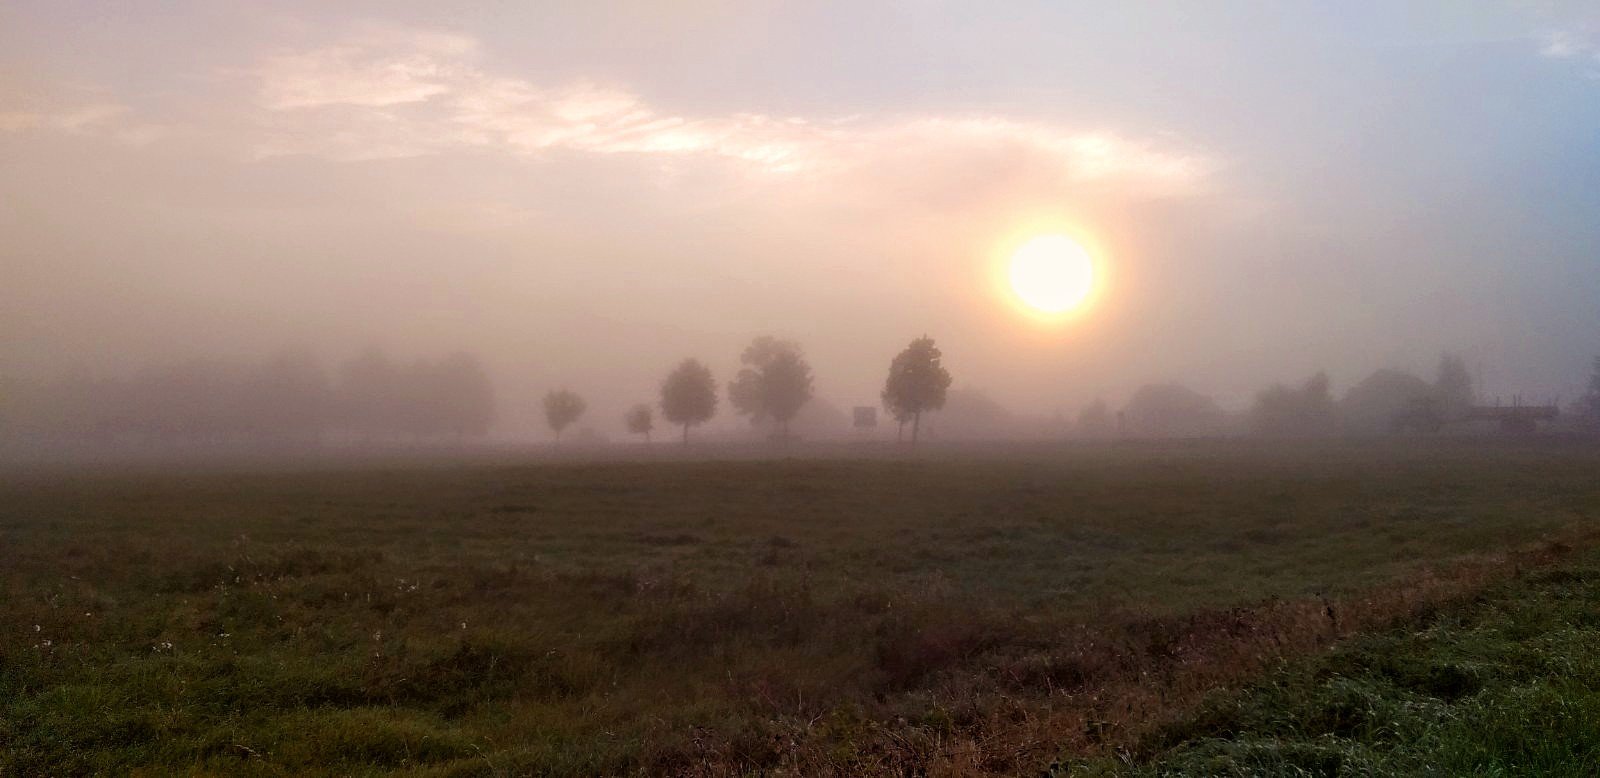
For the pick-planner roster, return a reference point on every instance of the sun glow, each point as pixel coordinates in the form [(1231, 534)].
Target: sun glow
[(1052, 274)]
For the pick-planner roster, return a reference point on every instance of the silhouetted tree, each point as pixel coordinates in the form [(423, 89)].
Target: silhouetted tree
[(689, 395), (562, 407), (917, 383), (774, 383), (1284, 410), (1452, 386), (1094, 421), (641, 420)]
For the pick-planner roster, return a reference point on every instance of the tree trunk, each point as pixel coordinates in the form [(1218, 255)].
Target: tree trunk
[(686, 434), (916, 424)]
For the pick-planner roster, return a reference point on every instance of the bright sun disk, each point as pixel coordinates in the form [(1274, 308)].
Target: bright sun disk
[(1052, 274)]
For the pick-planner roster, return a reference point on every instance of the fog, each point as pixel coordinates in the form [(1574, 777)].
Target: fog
[(583, 195)]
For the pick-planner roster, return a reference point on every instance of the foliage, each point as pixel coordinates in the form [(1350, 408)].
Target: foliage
[(774, 383), (917, 382), (288, 398), (562, 407), (640, 420), (689, 395)]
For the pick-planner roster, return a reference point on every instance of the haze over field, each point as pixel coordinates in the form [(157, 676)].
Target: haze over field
[(584, 194)]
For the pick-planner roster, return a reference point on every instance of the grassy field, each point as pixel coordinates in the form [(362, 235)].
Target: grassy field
[(952, 613), (1506, 684)]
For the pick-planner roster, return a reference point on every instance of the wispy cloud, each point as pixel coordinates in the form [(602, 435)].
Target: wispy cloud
[(376, 68), (382, 93), (96, 119), (1579, 43)]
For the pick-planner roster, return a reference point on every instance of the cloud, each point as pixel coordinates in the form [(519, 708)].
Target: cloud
[(386, 93), (1571, 44), (375, 68), (108, 120), (78, 120)]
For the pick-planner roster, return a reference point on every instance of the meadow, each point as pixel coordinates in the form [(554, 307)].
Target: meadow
[(944, 611)]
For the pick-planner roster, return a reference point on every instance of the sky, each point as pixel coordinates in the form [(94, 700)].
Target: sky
[(585, 193)]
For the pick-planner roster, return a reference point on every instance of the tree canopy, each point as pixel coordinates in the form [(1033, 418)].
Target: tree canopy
[(640, 420), (774, 383), (689, 395), (917, 382), (562, 407)]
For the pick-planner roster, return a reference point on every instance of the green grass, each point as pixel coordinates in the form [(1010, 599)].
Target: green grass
[(956, 613), (1508, 684)]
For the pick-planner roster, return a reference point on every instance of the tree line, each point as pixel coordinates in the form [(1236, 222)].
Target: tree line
[(372, 397), (773, 383), (288, 397), (1386, 402)]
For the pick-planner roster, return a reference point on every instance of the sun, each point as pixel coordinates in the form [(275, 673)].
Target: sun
[(1052, 274)]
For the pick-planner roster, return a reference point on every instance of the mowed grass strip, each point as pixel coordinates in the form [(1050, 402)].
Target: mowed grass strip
[(958, 614)]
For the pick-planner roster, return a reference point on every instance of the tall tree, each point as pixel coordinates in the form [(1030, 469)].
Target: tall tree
[(562, 407), (1452, 386), (641, 420), (774, 383), (917, 383), (689, 395)]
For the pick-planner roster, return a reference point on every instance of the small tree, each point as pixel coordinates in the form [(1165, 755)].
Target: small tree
[(562, 407), (641, 420), (774, 384), (917, 382), (689, 395)]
